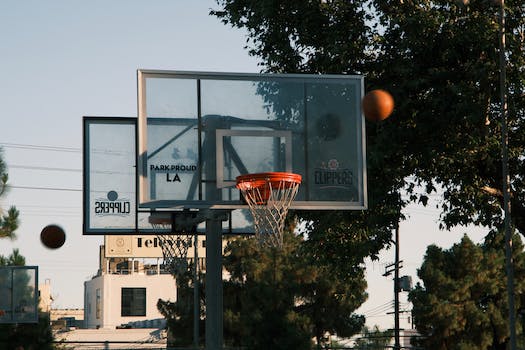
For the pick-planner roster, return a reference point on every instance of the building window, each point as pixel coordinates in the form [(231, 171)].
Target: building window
[(133, 302), (97, 304)]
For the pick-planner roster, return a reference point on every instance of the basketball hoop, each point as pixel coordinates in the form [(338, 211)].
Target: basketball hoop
[(269, 196), (174, 246)]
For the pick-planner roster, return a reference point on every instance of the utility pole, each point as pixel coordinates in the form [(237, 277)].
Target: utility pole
[(397, 344), (388, 270), (506, 177)]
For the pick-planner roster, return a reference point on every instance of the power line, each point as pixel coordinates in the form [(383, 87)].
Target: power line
[(61, 149), (40, 147), (43, 168), (388, 303), (69, 215), (108, 172), (46, 188), (47, 206), (379, 310)]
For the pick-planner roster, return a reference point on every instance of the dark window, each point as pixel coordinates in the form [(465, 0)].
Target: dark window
[(133, 302), (98, 305)]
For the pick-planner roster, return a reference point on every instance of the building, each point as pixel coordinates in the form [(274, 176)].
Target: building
[(120, 297), (66, 319), (44, 296), (104, 339), (129, 282)]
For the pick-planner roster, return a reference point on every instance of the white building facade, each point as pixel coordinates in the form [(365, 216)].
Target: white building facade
[(128, 285), (130, 281), (112, 300)]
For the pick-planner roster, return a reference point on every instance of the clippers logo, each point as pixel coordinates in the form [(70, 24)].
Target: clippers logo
[(329, 175), (112, 205)]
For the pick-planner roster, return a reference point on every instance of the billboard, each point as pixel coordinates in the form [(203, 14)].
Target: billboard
[(127, 246)]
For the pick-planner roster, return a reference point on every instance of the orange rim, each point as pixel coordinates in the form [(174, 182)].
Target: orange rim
[(252, 181)]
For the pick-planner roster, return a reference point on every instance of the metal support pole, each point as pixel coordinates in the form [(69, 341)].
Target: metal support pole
[(214, 218), (214, 284), (196, 303), (506, 178), (397, 344)]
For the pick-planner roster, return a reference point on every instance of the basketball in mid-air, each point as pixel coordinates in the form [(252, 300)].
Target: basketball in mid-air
[(53, 236), (377, 105)]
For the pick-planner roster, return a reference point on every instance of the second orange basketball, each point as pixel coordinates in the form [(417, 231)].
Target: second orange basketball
[(53, 236), (377, 105)]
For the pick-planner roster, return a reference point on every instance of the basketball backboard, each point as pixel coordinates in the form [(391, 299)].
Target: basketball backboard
[(198, 131), (109, 174), (18, 294), (109, 182)]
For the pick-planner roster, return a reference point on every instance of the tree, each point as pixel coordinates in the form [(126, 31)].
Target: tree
[(9, 220), (285, 295), (261, 294), (179, 314), (15, 259), (439, 58), (463, 304), (28, 336)]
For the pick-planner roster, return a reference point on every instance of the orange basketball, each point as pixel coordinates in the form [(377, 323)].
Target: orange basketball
[(53, 236), (377, 105)]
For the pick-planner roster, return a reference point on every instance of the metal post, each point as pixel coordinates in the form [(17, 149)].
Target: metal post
[(388, 271), (196, 303), (397, 344), (506, 177), (213, 283)]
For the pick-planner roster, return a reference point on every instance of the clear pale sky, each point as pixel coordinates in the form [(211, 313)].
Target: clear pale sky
[(65, 59)]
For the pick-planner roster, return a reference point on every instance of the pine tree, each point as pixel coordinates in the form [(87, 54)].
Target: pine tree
[(281, 299), (9, 219), (462, 303)]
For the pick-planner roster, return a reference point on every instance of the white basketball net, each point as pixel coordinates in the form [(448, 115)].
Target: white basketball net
[(174, 246), (269, 214)]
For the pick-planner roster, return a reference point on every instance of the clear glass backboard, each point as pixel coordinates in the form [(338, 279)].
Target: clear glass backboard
[(198, 131), (109, 182)]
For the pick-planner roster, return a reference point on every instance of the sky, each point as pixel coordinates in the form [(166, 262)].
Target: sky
[(65, 59)]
